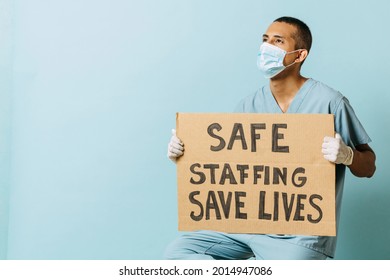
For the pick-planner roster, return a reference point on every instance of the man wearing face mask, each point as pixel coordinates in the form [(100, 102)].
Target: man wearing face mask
[(286, 45)]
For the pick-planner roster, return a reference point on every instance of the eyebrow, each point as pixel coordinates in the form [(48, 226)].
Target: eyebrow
[(276, 36)]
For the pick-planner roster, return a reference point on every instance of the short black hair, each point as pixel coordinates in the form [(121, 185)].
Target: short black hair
[(303, 36)]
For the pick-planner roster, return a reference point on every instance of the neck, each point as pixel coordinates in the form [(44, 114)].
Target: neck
[(284, 89)]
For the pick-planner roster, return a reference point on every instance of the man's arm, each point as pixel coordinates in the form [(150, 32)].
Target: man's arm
[(363, 163)]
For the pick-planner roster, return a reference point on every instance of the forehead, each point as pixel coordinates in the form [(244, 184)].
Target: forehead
[(281, 29)]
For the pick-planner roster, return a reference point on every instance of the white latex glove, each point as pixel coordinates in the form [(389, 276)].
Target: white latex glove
[(175, 147), (335, 150)]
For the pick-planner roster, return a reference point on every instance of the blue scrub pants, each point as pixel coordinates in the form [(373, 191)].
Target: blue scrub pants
[(208, 245)]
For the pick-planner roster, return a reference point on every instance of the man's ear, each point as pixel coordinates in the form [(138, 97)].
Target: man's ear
[(302, 54)]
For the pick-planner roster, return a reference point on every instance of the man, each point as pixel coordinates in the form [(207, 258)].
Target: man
[(286, 44)]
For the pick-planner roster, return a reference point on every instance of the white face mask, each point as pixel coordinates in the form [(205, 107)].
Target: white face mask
[(270, 60)]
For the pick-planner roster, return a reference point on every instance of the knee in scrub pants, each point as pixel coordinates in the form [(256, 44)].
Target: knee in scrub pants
[(270, 248), (182, 248), (207, 245)]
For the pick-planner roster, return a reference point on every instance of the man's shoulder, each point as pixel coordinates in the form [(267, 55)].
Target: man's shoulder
[(256, 94), (250, 103), (249, 98), (324, 88)]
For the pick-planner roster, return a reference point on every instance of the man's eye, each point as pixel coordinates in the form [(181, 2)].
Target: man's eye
[(279, 41)]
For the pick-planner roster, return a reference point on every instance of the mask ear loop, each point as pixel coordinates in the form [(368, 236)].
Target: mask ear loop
[(295, 58)]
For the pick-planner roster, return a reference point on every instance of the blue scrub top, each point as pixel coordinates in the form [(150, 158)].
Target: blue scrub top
[(315, 98)]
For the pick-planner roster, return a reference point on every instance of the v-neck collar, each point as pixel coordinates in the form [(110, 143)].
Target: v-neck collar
[(295, 103)]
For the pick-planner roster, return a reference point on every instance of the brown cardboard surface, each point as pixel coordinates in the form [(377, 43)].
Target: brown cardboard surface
[(255, 173)]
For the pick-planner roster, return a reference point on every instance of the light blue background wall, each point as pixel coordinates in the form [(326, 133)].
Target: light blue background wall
[(6, 48), (96, 88)]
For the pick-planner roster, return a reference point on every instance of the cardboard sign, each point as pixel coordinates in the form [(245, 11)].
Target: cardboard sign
[(256, 173)]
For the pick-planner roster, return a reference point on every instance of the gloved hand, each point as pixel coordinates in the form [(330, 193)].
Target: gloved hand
[(175, 147), (335, 150)]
